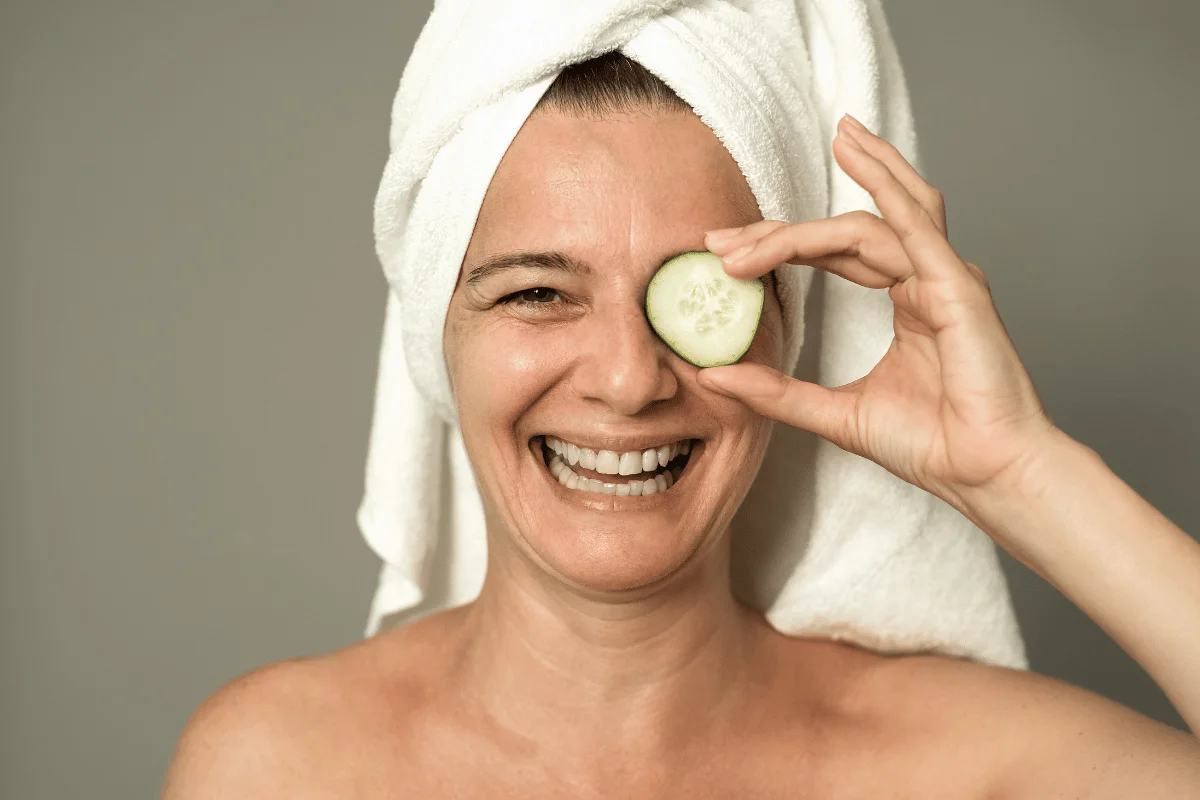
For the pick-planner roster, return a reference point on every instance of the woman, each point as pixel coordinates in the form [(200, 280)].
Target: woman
[(606, 655)]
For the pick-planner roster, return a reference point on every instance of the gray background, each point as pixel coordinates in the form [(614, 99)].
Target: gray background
[(190, 311)]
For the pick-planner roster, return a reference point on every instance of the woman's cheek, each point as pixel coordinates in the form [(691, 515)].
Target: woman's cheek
[(511, 365)]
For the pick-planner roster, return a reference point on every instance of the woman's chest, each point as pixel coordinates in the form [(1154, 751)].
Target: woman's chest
[(865, 767)]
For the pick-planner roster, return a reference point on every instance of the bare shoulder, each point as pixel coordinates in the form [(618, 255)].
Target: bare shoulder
[(247, 738), (307, 727), (1037, 736)]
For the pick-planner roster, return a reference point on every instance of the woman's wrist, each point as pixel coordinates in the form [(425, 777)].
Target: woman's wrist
[(1009, 506), (1068, 517)]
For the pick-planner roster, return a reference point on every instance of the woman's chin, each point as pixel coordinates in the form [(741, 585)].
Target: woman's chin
[(608, 543), (621, 557)]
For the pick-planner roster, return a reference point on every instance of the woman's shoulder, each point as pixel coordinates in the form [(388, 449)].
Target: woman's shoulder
[(1020, 733), (278, 729)]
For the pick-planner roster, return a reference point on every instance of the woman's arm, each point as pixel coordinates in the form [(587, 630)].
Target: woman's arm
[(1064, 514), (951, 408)]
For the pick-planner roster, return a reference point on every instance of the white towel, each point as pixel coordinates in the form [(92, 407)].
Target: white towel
[(828, 543)]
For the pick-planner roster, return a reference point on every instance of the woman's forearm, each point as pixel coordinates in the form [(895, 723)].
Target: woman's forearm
[(950, 403), (1069, 518)]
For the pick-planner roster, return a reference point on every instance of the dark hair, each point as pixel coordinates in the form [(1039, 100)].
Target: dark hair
[(614, 83), (609, 83)]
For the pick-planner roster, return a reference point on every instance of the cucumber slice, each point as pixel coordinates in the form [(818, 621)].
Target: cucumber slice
[(704, 315)]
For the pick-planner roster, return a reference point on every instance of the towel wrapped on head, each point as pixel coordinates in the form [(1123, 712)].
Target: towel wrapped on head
[(829, 544)]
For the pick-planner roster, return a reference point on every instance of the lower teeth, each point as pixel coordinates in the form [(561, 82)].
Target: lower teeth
[(659, 483)]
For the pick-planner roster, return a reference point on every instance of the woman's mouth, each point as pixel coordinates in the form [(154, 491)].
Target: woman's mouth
[(632, 473)]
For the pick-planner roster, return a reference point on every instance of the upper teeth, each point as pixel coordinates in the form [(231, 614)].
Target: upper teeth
[(610, 462)]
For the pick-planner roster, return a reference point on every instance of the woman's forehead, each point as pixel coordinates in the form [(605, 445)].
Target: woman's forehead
[(639, 177)]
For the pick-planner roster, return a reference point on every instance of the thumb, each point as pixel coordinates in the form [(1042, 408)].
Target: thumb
[(829, 413)]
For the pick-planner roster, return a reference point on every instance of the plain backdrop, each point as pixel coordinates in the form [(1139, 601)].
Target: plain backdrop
[(190, 311)]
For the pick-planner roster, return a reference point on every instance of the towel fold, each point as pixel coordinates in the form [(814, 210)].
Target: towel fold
[(827, 543)]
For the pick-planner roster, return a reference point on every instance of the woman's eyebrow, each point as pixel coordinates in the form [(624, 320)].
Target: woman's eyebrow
[(551, 259)]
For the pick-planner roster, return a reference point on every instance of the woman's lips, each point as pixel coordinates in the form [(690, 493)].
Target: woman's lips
[(585, 470)]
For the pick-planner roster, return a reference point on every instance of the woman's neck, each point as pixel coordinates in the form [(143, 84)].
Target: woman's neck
[(644, 673)]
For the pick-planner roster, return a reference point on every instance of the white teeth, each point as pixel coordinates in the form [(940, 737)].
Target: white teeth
[(610, 462), (565, 476), (630, 464), (607, 463)]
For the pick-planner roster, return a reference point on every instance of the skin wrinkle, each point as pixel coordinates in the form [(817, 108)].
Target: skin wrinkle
[(551, 260), (606, 656), (631, 608)]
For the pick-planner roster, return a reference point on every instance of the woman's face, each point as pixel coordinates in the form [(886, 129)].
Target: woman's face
[(548, 348)]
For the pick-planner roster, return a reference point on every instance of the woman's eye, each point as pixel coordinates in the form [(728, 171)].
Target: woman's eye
[(539, 294)]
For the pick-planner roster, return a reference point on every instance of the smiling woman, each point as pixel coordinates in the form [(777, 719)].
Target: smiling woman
[(605, 654), (554, 351)]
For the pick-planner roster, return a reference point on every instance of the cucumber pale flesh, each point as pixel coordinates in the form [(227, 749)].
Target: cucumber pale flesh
[(703, 314)]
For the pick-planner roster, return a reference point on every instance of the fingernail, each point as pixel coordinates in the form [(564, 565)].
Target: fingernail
[(724, 233), (855, 122), (848, 138), (710, 378), (738, 255)]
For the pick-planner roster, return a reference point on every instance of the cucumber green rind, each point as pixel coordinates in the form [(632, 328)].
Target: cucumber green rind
[(705, 316)]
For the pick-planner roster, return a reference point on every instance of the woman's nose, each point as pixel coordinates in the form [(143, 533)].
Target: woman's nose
[(623, 364)]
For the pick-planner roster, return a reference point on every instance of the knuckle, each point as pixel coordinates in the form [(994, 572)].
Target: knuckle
[(777, 242), (908, 210), (967, 296), (860, 222), (980, 275), (769, 226), (860, 217), (909, 222), (783, 385), (860, 225), (780, 235)]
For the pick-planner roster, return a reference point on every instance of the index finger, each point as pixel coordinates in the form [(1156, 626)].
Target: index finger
[(857, 245)]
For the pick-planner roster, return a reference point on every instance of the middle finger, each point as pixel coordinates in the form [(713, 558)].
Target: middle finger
[(930, 198)]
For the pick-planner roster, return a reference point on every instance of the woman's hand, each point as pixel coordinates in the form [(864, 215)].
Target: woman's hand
[(950, 407)]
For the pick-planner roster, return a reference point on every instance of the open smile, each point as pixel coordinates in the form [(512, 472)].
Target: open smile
[(632, 473)]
